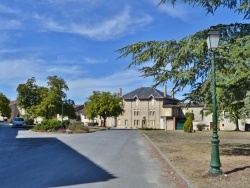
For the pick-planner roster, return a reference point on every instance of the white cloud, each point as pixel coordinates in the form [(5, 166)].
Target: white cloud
[(177, 11), (90, 60), (73, 71), (80, 89), (114, 27), (8, 10), (10, 24)]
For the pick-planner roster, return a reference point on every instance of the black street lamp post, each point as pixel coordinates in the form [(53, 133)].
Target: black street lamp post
[(212, 42)]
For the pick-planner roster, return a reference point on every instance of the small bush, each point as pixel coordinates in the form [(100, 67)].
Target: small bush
[(50, 124), (66, 123), (201, 126), (30, 121), (189, 114), (78, 128), (93, 124), (188, 125)]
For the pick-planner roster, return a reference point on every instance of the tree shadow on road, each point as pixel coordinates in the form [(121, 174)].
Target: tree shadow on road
[(44, 162)]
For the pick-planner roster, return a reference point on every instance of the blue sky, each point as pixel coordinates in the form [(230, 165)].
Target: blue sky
[(77, 39)]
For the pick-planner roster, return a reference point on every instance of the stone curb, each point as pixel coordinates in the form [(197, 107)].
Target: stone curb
[(168, 161)]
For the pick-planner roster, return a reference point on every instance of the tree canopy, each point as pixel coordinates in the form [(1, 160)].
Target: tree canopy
[(187, 63), (46, 102), (103, 104), (5, 110), (28, 94), (239, 6)]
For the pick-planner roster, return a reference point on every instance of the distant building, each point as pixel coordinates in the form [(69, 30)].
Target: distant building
[(147, 107)]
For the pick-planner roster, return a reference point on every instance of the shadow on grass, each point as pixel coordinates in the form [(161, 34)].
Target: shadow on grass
[(235, 149), (237, 169)]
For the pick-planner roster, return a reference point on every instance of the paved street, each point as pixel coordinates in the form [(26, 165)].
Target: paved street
[(112, 158)]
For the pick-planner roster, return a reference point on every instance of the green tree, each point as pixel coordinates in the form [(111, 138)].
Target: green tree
[(240, 6), (188, 125), (187, 63), (5, 110), (28, 94), (68, 109), (52, 98), (189, 114), (103, 104), (245, 111)]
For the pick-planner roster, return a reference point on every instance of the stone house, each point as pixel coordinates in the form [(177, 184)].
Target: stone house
[(147, 107), (202, 115)]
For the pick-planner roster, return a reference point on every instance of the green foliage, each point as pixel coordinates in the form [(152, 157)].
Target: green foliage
[(29, 121), (50, 124), (189, 114), (66, 123), (28, 94), (78, 128), (242, 6), (5, 109), (187, 63), (103, 104), (46, 102), (68, 109), (188, 125), (245, 111), (51, 104), (201, 126)]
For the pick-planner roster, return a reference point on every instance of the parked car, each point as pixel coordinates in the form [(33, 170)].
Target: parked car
[(18, 122)]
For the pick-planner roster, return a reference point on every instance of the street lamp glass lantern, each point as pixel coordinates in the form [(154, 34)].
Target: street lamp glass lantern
[(213, 38)]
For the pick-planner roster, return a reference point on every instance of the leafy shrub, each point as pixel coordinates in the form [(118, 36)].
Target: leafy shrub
[(30, 121), (93, 124), (201, 126), (78, 128), (66, 123), (189, 114), (188, 125), (50, 124)]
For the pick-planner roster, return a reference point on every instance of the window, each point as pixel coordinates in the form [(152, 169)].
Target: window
[(152, 112), (136, 112), (136, 122), (175, 112)]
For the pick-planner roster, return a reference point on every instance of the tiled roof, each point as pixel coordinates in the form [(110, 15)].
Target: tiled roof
[(145, 93)]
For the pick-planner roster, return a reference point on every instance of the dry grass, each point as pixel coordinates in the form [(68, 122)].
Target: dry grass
[(190, 154)]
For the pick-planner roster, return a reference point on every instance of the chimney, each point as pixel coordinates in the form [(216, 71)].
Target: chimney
[(165, 91), (172, 93), (120, 92)]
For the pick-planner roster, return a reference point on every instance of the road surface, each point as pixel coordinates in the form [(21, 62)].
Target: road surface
[(111, 158)]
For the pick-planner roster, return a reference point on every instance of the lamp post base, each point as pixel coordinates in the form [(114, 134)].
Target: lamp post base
[(215, 171)]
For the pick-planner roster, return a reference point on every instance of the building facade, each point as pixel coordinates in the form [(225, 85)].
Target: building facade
[(147, 107)]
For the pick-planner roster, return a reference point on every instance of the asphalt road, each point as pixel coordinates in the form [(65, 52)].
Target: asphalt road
[(111, 158)]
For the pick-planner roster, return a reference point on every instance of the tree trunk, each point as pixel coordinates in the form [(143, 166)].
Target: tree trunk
[(237, 124)]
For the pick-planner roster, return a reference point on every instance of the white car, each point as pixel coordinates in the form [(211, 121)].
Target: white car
[(18, 122)]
